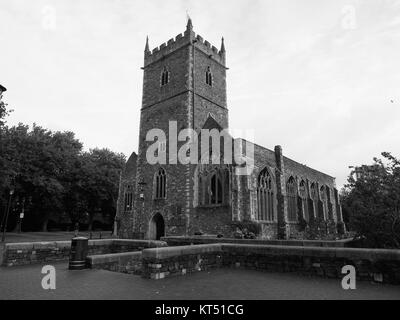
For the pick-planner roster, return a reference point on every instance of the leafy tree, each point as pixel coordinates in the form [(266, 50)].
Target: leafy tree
[(372, 203), (38, 163), (52, 176), (3, 112), (4, 181), (101, 170)]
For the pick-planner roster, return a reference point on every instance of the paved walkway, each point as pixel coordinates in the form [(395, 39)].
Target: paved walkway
[(25, 283)]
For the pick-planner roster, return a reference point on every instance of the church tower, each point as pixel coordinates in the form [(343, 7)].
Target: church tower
[(184, 82)]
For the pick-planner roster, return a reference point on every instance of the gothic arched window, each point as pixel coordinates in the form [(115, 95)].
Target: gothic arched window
[(265, 197), (209, 79), (164, 77), (216, 193), (128, 199), (303, 197), (314, 198), (292, 199), (328, 207), (160, 184), (213, 187), (324, 199)]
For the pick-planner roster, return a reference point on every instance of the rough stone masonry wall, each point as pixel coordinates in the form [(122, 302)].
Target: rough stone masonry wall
[(16, 254), (281, 169), (196, 240), (372, 265), (158, 264), (127, 262), (124, 216), (158, 116)]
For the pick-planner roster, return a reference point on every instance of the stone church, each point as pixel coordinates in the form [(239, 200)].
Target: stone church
[(185, 81)]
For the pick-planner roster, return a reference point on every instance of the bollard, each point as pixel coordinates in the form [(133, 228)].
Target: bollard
[(78, 254)]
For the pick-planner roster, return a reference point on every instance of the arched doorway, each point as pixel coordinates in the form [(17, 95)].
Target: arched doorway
[(157, 227)]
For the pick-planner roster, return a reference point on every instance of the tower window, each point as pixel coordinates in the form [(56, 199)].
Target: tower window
[(164, 77), (160, 184), (209, 78)]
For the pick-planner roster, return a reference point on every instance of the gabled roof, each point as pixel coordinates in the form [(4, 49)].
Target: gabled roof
[(211, 123), (130, 166)]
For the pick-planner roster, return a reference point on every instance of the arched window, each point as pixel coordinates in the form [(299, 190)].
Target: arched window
[(292, 199), (164, 77), (128, 199), (324, 199), (160, 184), (303, 197), (265, 197), (328, 207), (216, 193), (209, 78), (314, 198), (213, 187)]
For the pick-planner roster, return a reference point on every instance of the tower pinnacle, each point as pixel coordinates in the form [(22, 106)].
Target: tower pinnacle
[(147, 49), (222, 46), (189, 25)]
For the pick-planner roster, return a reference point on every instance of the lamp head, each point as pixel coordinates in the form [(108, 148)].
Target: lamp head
[(2, 89)]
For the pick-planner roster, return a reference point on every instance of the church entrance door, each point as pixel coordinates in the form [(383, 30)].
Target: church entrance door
[(157, 227)]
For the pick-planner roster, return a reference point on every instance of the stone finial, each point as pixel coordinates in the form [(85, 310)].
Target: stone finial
[(279, 157), (147, 49), (189, 33), (222, 46), (189, 26)]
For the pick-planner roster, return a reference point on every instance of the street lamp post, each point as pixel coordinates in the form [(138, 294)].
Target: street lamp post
[(21, 216), (3, 238), (3, 89)]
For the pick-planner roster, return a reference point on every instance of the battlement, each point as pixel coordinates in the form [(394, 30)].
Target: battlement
[(181, 40)]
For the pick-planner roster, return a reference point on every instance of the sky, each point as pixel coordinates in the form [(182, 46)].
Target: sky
[(318, 77)]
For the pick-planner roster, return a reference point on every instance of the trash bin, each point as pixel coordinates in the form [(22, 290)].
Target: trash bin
[(78, 254)]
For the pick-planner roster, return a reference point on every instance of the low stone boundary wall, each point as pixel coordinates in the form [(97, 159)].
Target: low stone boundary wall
[(128, 262), (184, 241), (370, 264), (173, 261), (15, 254)]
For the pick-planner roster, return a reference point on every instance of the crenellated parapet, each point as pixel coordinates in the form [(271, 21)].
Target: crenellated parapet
[(210, 50), (189, 37)]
